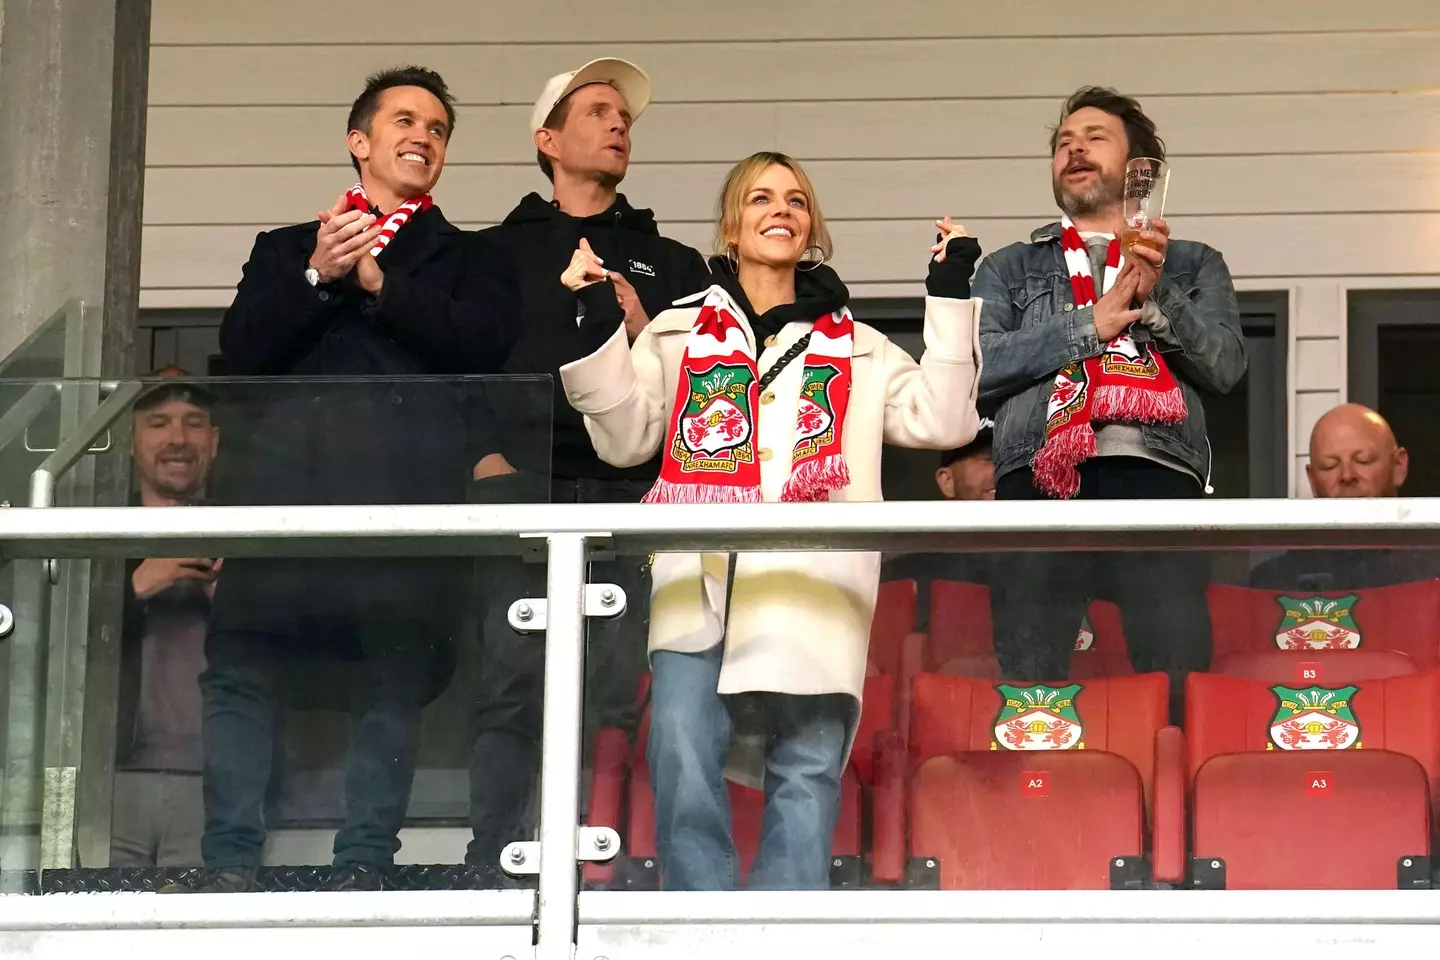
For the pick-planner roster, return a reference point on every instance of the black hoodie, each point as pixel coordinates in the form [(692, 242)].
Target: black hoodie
[(543, 240)]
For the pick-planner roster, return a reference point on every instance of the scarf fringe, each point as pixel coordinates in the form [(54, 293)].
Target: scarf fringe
[(666, 491), (1054, 464), (813, 480), (1136, 404)]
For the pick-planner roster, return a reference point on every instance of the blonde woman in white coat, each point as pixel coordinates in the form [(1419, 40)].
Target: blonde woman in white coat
[(763, 388)]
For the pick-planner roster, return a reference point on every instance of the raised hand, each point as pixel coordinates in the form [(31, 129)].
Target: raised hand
[(1149, 259), (344, 237), (635, 318), (948, 231), (1113, 314), (584, 269)]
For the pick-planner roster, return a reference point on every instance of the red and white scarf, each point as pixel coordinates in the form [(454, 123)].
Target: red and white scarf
[(355, 199), (1128, 382), (710, 454)]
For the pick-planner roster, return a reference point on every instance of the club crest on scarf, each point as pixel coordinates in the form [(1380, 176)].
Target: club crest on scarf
[(815, 425), (710, 454), (715, 427), (1127, 383), (1067, 396)]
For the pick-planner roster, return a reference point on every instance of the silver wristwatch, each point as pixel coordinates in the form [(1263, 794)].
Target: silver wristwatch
[(312, 276)]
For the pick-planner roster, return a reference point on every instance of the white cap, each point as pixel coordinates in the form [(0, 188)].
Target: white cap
[(624, 76)]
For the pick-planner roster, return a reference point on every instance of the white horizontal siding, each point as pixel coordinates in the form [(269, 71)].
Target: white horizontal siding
[(763, 71), (552, 21)]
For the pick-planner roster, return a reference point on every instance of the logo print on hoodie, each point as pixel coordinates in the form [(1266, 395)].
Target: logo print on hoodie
[(637, 267)]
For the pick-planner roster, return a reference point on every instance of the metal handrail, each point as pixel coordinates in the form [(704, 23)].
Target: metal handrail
[(73, 447), (647, 528), (23, 412), (68, 311)]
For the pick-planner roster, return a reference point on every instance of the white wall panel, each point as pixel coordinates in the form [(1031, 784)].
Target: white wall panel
[(765, 71), (346, 22)]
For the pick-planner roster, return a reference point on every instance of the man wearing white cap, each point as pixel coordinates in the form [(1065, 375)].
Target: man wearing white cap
[(581, 127)]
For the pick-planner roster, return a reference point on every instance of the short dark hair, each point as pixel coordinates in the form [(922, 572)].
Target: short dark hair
[(555, 120), (1139, 129), (362, 111)]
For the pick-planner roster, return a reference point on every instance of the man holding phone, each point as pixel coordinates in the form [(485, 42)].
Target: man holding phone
[(157, 812)]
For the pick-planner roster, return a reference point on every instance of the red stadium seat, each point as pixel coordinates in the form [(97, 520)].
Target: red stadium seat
[(894, 621), (1316, 666), (1405, 618), (1311, 787), (1032, 786), (961, 641)]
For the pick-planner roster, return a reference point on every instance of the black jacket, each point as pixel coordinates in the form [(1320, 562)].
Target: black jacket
[(1327, 570), (447, 307), (543, 239)]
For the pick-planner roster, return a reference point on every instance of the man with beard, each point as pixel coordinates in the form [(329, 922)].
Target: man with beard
[(581, 126), (1096, 358), (158, 813)]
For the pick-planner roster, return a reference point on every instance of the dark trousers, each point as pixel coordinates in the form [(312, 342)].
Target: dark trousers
[(1039, 598), (388, 674), (505, 751)]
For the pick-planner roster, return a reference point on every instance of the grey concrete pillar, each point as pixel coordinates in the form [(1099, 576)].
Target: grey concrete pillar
[(73, 82), (73, 86)]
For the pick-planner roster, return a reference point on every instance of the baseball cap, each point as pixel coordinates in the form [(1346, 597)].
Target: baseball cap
[(175, 384), (632, 82), (984, 440)]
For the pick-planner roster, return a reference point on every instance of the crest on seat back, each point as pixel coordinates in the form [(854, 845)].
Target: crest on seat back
[(1038, 717), (1314, 718), (1317, 623)]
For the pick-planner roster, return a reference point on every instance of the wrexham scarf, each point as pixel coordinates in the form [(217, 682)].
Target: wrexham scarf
[(710, 454), (1128, 382), (355, 199)]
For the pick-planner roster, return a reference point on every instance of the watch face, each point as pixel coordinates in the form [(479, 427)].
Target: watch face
[(312, 276)]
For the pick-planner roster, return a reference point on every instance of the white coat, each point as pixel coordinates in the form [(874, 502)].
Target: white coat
[(799, 622)]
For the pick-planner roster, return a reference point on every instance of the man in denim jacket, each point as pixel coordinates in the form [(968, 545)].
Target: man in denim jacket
[(1178, 298)]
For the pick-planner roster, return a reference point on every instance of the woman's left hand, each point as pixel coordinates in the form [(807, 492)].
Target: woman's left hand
[(949, 230)]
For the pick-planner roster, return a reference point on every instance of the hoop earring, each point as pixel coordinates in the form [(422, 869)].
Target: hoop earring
[(730, 259), (813, 263)]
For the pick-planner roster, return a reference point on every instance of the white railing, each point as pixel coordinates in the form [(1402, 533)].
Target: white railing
[(622, 925)]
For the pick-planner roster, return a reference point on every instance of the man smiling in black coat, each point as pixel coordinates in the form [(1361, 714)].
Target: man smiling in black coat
[(381, 286)]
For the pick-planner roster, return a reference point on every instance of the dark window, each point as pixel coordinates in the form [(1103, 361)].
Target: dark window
[(1394, 340)]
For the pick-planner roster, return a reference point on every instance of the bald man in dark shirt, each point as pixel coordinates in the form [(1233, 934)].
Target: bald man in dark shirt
[(1353, 453)]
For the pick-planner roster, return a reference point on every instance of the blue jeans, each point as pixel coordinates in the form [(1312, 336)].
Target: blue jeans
[(248, 678), (690, 728)]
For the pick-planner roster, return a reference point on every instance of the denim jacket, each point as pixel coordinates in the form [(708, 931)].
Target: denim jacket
[(1030, 328)]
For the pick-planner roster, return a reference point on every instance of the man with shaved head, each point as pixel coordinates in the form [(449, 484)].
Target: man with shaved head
[(1353, 453)]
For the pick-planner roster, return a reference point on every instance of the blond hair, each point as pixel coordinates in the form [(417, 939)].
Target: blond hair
[(738, 183)]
